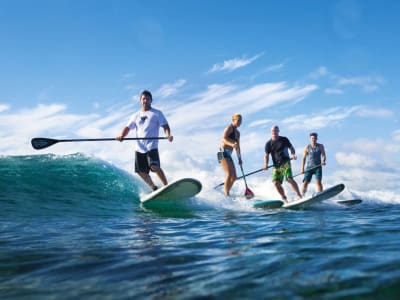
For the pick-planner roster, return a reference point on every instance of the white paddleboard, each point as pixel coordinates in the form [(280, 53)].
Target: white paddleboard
[(267, 204), (176, 190), (324, 195)]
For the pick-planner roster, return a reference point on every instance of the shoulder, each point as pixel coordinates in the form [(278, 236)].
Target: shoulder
[(156, 112), (228, 128), (284, 139), (134, 116)]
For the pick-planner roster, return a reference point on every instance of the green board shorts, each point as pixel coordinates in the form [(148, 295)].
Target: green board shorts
[(282, 172)]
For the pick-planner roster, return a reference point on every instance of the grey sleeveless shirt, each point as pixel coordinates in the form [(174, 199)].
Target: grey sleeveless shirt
[(314, 156)]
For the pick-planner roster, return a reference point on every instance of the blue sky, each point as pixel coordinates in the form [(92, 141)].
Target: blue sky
[(74, 69)]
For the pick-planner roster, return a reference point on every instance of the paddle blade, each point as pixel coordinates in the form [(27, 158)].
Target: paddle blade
[(248, 193), (41, 143)]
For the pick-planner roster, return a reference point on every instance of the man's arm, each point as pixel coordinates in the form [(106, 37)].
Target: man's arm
[(293, 152), (266, 158), (167, 132), (303, 160), (323, 155), (124, 133)]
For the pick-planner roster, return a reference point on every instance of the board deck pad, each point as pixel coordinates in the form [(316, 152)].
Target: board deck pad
[(319, 197), (266, 204), (176, 190)]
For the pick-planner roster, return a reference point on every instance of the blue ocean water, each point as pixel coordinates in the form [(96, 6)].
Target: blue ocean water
[(71, 227)]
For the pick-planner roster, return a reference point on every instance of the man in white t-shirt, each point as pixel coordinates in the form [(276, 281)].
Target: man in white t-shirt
[(147, 123)]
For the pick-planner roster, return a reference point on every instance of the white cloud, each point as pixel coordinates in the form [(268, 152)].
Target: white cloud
[(368, 84), (274, 67), (4, 107), (396, 135), (260, 123), (320, 72), (233, 64), (170, 89), (332, 116), (220, 101), (128, 76), (367, 112), (328, 117), (41, 120), (334, 91), (355, 160)]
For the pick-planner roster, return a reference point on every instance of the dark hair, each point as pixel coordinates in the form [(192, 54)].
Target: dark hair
[(314, 134), (147, 93)]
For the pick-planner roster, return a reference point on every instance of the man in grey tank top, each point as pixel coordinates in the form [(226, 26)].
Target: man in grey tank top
[(314, 153)]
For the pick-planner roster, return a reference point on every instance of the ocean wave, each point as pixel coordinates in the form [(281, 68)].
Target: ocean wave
[(42, 183)]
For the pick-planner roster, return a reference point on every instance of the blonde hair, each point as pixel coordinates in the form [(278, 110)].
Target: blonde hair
[(236, 116)]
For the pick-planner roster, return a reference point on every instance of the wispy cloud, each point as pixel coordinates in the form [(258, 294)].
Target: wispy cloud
[(170, 88), (332, 116), (396, 135), (42, 120), (367, 112), (268, 69), (275, 67), (4, 107), (233, 64), (318, 120), (367, 84), (128, 76), (222, 99), (318, 73), (260, 123), (335, 91), (355, 160)]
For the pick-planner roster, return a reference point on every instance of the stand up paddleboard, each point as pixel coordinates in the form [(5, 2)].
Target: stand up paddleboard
[(176, 190), (321, 196), (267, 204), (349, 202)]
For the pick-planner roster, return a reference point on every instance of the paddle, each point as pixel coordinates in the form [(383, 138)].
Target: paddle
[(248, 174), (317, 166), (41, 143), (247, 193), (349, 202)]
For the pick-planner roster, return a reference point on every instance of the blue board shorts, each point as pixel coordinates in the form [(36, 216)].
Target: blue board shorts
[(224, 154), (308, 174)]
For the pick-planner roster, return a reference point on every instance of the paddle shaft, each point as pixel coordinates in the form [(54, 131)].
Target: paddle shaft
[(317, 166), (243, 176), (110, 139), (248, 174)]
